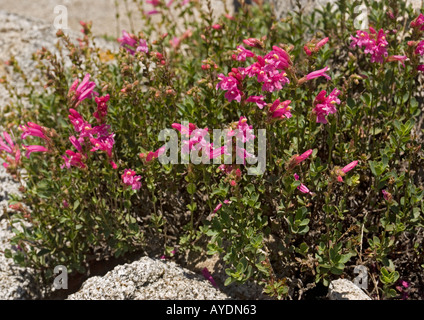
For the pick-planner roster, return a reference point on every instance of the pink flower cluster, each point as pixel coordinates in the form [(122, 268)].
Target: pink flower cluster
[(80, 91), (243, 132), (132, 44), (29, 130), (129, 178), (101, 112), (11, 149), (269, 69), (34, 130), (195, 141), (92, 138), (323, 106), (420, 48), (374, 43), (418, 23), (232, 172), (232, 84), (278, 109)]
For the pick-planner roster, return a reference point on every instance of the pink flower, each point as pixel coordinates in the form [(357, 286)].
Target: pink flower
[(307, 51), (302, 188), (34, 130), (421, 68), (344, 170), (184, 130), (228, 16), (75, 159), (130, 179), (319, 73), (215, 153), (104, 144), (84, 89), (244, 53), (196, 141), (226, 83), (274, 81), (387, 195), (10, 148), (153, 155), (131, 43), (128, 175), (230, 84), (322, 43), (311, 47), (208, 277), (244, 130), (280, 110), (278, 58), (175, 42), (152, 12), (154, 3), (113, 164), (325, 105), (34, 148), (401, 288), (101, 112), (233, 94), (420, 48), (398, 58), (376, 44), (127, 40), (252, 42), (75, 143), (259, 100), (10, 145), (350, 166), (216, 27), (217, 207), (142, 47), (303, 156), (77, 120), (418, 23)]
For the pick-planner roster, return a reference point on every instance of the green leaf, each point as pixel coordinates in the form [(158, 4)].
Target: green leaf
[(76, 204), (229, 281), (191, 188)]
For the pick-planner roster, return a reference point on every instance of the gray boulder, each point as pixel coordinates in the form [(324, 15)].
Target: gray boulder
[(343, 289), (148, 279)]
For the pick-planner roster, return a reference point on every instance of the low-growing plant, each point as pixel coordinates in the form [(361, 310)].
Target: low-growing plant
[(338, 109)]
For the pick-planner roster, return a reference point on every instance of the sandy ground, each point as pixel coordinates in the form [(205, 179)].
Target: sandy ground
[(101, 12)]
